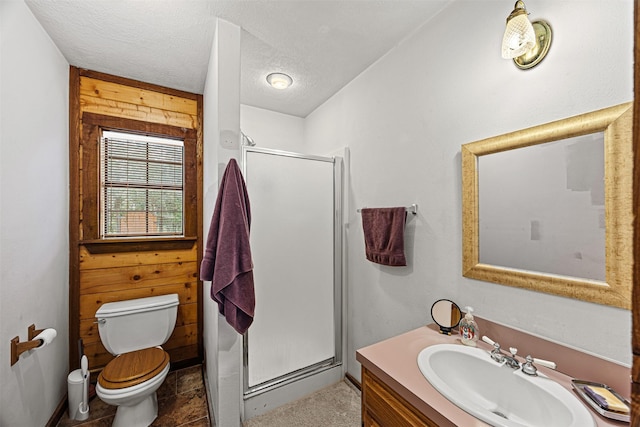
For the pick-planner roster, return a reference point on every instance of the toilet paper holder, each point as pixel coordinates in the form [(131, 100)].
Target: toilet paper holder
[(17, 347)]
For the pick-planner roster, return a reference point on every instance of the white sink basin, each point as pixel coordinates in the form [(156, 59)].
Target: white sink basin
[(497, 394)]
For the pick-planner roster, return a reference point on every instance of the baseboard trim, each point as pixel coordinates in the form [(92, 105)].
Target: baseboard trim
[(57, 413), (187, 363), (353, 381)]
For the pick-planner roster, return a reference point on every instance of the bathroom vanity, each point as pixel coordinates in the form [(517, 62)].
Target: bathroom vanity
[(395, 393)]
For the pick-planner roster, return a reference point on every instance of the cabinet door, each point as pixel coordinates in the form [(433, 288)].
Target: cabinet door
[(383, 407), (368, 421)]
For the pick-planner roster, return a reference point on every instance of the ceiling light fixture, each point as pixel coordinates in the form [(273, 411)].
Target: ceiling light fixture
[(279, 80), (527, 43)]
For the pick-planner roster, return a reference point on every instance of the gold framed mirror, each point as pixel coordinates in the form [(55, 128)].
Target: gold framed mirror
[(613, 127)]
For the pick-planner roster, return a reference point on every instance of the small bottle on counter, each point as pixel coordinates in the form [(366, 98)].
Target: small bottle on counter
[(469, 331)]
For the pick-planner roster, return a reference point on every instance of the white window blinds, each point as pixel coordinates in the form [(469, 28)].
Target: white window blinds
[(142, 185)]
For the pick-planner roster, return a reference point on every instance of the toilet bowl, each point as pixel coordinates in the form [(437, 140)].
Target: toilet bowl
[(133, 331)]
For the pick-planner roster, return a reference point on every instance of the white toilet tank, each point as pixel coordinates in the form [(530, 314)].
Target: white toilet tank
[(136, 324)]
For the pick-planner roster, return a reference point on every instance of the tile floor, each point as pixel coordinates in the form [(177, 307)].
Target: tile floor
[(182, 402)]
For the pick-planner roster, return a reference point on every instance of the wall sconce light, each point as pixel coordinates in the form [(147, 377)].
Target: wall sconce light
[(279, 80), (527, 43)]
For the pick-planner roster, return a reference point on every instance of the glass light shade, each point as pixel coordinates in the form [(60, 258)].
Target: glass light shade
[(279, 80), (519, 36)]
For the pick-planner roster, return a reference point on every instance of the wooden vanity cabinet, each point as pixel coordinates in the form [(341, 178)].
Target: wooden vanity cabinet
[(383, 407), (395, 393)]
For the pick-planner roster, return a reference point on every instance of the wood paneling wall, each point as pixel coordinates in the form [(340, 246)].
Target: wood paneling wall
[(102, 272)]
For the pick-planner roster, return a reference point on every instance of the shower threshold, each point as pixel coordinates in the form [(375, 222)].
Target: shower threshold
[(291, 377), (291, 387)]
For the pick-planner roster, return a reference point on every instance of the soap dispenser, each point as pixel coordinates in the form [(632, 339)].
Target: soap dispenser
[(469, 329)]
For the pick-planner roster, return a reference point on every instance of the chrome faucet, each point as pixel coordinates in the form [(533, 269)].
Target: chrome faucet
[(495, 353), (500, 357), (511, 361), (529, 369)]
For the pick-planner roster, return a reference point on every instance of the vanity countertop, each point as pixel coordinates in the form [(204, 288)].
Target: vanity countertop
[(394, 361)]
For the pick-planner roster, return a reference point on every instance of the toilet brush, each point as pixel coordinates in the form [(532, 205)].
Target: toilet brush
[(84, 405)]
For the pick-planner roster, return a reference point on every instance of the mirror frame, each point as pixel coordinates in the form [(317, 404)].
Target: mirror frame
[(616, 123)]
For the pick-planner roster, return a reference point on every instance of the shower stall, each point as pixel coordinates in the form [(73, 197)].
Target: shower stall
[(294, 345)]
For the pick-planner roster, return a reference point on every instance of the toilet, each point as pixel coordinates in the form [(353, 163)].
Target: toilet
[(133, 331)]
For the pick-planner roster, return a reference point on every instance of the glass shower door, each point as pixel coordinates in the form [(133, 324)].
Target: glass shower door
[(296, 253)]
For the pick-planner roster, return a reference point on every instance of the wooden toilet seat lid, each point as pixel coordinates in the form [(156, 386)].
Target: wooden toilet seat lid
[(129, 369)]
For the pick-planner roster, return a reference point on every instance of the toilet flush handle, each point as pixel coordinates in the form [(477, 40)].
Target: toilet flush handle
[(101, 321)]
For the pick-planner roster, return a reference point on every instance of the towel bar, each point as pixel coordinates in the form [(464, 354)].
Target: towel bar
[(413, 209)]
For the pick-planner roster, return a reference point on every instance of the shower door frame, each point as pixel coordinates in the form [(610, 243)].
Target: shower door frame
[(336, 360)]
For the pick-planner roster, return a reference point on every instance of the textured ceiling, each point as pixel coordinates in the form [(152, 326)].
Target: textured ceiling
[(322, 44)]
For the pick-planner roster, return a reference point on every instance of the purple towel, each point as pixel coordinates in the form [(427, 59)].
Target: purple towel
[(227, 259), (384, 235)]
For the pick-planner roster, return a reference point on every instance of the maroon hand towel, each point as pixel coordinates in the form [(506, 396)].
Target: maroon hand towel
[(384, 235), (227, 259)]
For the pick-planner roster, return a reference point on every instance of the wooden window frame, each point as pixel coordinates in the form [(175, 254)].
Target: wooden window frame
[(92, 127)]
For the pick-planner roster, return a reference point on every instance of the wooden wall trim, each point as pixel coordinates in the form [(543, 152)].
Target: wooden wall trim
[(121, 123), (199, 221), (635, 303), (91, 125), (137, 84), (74, 215), (99, 246)]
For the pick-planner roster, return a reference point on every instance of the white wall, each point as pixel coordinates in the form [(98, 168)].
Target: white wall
[(210, 189), (34, 225), (270, 129), (445, 86), (221, 134)]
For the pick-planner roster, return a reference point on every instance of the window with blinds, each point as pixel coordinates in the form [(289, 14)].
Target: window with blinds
[(142, 185)]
